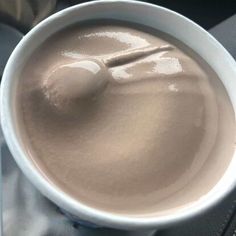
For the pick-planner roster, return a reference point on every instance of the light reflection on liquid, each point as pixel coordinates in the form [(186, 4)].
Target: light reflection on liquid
[(153, 66)]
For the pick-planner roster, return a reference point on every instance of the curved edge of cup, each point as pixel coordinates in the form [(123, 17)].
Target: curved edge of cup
[(84, 212)]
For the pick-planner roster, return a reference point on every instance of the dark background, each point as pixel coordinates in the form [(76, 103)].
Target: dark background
[(207, 13)]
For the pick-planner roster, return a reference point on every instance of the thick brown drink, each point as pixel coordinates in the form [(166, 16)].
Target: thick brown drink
[(158, 133)]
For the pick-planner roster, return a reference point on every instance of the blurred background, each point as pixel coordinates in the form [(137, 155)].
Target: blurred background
[(26, 13)]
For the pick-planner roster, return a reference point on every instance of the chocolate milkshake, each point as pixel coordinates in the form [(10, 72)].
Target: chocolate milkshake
[(124, 118)]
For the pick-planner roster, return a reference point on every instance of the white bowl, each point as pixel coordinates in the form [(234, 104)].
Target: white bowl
[(146, 14)]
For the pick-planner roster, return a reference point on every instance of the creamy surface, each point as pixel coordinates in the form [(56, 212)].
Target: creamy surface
[(145, 135)]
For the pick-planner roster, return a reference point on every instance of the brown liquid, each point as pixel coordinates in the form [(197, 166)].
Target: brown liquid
[(158, 136)]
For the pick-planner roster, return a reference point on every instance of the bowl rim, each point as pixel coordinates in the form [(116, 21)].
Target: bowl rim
[(61, 199)]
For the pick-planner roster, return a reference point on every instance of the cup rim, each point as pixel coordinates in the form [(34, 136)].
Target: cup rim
[(68, 203)]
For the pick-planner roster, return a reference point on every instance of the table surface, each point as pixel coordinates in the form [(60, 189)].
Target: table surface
[(27, 213)]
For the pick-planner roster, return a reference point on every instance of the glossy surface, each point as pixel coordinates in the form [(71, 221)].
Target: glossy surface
[(158, 18), (66, 84), (146, 143)]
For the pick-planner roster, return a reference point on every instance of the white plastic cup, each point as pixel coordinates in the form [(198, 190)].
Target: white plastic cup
[(132, 11)]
